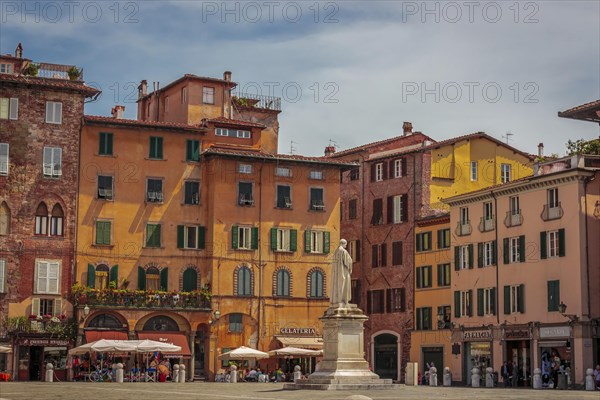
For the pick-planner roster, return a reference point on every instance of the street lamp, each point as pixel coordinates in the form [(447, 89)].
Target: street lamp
[(562, 308)]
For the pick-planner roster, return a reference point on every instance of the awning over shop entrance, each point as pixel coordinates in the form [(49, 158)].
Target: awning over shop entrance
[(176, 338), (302, 342), (92, 336)]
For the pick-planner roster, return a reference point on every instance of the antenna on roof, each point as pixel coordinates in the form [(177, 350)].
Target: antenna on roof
[(333, 143), (292, 147), (508, 136)]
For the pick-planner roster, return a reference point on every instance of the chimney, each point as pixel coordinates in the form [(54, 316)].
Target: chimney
[(227, 76), (541, 150), (407, 128), (117, 112), (143, 89), (19, 51), (329, 150)]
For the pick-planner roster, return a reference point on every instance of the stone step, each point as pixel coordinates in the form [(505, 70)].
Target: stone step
[(348, 380), (340, 386)]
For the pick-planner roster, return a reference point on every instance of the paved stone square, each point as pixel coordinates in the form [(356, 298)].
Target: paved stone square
[(254, 391)]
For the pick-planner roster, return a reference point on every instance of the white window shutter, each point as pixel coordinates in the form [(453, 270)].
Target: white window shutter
[(35, 306), (42, 277), (3, 108), (57, 307), (47, 161), (2, 275), (49, 110), (58, 113), (14, 108), (4, 149), (57, 161), (53, 278)]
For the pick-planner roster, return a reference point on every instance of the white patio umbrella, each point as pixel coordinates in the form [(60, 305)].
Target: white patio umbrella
[(244, 353), (294, 351), (5, 349), (150, 346)]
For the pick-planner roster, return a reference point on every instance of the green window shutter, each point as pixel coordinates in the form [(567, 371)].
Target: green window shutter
[(99, 232), (307, 241), (254, 238), (521, 299), (91, 276), (149, 233), (439, 274), (507, 300), (470, 305), (543, 246), (419, 242), (141, 279), (522, 248), (326, 242), (201, 237), (109, 143), (456, 304), (479, 255), (493, 301), (471, 256), (114, 275), (457, 258), (107, 227), (159, 147), (102, 146), (561, 243), (553, 295), (152, 150), (494, 253), (35, 306), (440, 243), (419, 277), (180, 236), (293, 240), (234, 237), (505, 251), (190, 280), (480, 302), (164, 279), (274, 239), (419, 319)]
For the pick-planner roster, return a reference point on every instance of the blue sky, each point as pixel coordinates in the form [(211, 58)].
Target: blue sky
[(347, 71)]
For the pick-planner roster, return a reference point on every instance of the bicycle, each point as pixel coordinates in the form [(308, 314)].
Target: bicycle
[(101, 375)]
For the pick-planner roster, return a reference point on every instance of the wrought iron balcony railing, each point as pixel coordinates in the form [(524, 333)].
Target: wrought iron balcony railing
[(550, 213), (486, 225), (463, 228), (513, 218), (199, 299), (247, 100)]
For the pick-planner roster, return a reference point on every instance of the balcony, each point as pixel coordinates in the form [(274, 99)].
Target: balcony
[(463, 228), (486, 225), (121, 298), (52, 71), (550, 213), (256, 101), (513, 218), (38, 324)]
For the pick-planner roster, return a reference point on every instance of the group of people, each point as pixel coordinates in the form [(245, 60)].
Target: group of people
[(256, 374)]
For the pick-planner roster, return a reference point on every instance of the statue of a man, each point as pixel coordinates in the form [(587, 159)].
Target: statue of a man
[(341, 276)]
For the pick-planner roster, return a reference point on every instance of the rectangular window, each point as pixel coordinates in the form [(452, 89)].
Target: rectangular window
[(235, 133), (553, 198), (48, 277), (103, 232), (283, 240), (473, 170), (192, 150), (245, 168), (5, 68), (486, 301), (375, 301), (153, 233), (488, 211), (208, 95), (505, 173), (156, 148), (423, 315), (245, 194), (166, 104), (352, 210), (553, 242), (316, 199), (397, 253), (488, 254), (516, 299), (444, 311), (105, 187), (244, 237), (354, 250), (52, 161), (235, 323), (282, 171), (398, 168), (465, 303), (284, 196), (464, 257), (191, 237), (2, 276), (317, 239), (464, 215), (423, 277), (514, 207), (46, 307), (4, 160), (105, 147), (377, 218), (9, 108), (53, 112), (379, 255), (354, 174), (515, 250), (378, 172), (553, 295), (184, 95), (443, 271), (191, 192), (154, 190), (316, 175), (423, 241), (444, 239), (397, 209)]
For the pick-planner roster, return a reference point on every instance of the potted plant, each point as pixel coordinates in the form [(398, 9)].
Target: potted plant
[(74, 73), (31, 70)]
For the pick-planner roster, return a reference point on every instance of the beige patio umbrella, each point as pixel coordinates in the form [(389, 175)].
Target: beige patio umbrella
[(244, 353), (5, 349), (295, 351)]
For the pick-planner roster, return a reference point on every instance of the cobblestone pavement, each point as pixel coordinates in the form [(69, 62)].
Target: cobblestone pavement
[(254, 391)]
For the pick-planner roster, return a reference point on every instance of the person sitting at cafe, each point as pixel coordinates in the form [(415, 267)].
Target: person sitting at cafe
[(252, 376), (163, 371)]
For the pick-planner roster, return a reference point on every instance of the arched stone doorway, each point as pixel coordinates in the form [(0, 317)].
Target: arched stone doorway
[(385, 351)]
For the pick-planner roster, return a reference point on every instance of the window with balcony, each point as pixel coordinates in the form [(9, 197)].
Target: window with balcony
[(423, 319), (154, 190), (552, 208), (189, 280), (464, 224), (101, 277), (514, 299), (244, 237), (486, 301), (505, 173), (487, 222), (52, 162), (53, 112), (423, 277), (284, 196), (152, 279), (191, 192), (245, 196), (41, 306), (191, 237), (105, 187), (443, 274), (4, 160), (514, 216), (105, 144), (316, 199), (462, 303)]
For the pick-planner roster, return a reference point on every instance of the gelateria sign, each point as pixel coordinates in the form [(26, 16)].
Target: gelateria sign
[(297, 331), (476, 335)]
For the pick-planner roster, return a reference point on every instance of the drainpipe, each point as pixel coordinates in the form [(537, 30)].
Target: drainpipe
[(587, 254), (260, 263), (497, 258)]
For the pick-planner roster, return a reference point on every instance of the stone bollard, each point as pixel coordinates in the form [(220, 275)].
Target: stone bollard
[(589, 379), (447, 377), (176, 373), (537, 378), (181, 373), (297, 373), (562, 380), (119, 373), (233, 374), (489, 377), (433, 376), (49, 372), (568, 376), (475, 377)]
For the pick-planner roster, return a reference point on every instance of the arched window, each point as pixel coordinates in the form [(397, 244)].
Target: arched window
[(152, 279), (41, 220), (56, 221), (244, 282), (190, 280), (316, 284), (283, 283), (101, 281), (161, 323), (4, 219), (105, 321)]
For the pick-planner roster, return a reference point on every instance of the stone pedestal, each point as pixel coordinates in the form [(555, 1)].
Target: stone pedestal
[(343, 366)]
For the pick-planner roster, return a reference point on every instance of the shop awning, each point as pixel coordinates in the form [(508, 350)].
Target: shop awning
[(552, 343), (92, 336), (302, 342), (176, 338)]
